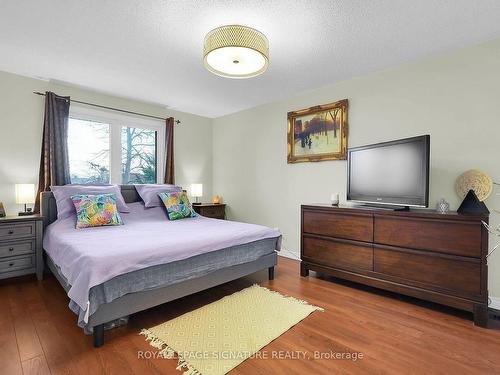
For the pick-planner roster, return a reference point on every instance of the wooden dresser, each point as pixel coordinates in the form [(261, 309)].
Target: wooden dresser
[(424, 254)]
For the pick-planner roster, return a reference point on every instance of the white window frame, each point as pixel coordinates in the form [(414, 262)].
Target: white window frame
[(116, 121)]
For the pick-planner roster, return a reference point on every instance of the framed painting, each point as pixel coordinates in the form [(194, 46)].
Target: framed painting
[(318, 133)]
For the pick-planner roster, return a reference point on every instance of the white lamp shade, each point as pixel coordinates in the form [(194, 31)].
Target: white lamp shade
[(236, 62), (196, 190), (25, 193)]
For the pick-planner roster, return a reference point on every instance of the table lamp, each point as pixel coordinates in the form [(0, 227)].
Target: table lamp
[(25, 194), (197, 192)]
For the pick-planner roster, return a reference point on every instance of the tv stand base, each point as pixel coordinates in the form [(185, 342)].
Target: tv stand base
[(381, 207)]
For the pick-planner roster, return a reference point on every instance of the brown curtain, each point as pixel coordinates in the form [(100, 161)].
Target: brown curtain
[(54, 164), (169, 151)]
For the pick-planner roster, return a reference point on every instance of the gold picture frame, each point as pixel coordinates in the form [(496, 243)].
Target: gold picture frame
[(318, 133)]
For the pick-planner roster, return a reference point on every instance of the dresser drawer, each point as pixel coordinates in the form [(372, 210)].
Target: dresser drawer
[(338, 254), (353, 227), (460, 277), (17, 248), (451, 237), (18, 263), (212, 211), (10, 231), (215, 212)]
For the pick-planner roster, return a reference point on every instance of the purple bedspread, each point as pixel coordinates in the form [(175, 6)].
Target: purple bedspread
[(91, 256)]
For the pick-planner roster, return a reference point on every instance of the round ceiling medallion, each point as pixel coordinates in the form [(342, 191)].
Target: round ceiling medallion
[(236, 51), (480, 182)]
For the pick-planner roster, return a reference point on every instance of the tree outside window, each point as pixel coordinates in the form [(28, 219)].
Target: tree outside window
[(91, 149), (138, 156)]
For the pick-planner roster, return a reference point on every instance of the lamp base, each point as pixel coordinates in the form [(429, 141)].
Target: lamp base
[(25, 213), (196, 203)]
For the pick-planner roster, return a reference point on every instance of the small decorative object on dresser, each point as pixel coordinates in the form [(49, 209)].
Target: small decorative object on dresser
[(473, 187), (472, 205), (318, 133), (334, 198), (214, 211), (2, 210), (217, 199), (442, 206), (480, 182), (21, 246)]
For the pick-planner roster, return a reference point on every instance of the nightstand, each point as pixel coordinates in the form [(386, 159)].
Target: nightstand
[(212, 210), (21, 246)]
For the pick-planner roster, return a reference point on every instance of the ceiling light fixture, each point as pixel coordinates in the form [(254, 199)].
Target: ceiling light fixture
[(236, 51)]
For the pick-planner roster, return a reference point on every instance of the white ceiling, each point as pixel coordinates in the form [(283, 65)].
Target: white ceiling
[(151, 50)]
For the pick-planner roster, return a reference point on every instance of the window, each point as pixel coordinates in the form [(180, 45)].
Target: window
[(88, 148), (105, 147)]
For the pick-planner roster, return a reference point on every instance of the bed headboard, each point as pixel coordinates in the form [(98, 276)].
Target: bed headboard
[(48, 208)]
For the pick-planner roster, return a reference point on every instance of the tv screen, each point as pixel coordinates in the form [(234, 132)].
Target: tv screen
[(392, 173)]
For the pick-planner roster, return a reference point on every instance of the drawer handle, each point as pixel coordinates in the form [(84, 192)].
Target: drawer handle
[(11, 264), (11, 249), (11, 231)]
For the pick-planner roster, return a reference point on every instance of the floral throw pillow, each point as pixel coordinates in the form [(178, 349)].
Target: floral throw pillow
[(177, 204), (96, 210)]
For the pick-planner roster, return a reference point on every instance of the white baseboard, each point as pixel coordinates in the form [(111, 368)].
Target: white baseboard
[(494, 303), (288, 254)]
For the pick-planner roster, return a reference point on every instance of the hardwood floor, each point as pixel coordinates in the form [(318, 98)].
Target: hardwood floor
[(396, 334)]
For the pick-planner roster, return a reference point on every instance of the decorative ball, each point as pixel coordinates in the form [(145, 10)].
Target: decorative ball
[(480, 182)]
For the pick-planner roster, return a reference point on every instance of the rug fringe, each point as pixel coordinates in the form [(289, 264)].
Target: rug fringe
[(165, 351), (168, 353), (291, 298), (190, 370)]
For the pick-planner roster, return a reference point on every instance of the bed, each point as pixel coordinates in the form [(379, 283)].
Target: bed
[(110, 273)]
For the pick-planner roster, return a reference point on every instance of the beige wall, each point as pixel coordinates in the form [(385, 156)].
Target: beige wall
[(453, 97), (21, 119)]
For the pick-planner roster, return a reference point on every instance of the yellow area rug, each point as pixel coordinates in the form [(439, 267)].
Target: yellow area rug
[(217, 337)]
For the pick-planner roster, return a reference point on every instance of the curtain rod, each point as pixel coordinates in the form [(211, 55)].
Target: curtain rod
[(113, 109)]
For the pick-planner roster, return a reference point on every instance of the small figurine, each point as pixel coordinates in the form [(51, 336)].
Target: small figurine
[(334, 198), (442, 206)]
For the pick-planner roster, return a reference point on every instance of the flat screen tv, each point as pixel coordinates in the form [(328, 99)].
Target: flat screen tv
[(392, 173)]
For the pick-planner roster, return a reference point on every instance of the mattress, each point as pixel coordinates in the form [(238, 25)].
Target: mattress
[(100, 264)]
